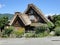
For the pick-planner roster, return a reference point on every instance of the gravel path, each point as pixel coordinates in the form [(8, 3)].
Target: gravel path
[(31, 41)]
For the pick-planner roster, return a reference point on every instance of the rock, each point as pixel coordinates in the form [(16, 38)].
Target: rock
[(52, 33)]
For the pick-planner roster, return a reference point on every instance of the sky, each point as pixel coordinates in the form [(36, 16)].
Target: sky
[(48, 7)]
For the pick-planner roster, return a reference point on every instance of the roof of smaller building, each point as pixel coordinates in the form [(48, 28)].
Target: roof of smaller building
[(23, 17)]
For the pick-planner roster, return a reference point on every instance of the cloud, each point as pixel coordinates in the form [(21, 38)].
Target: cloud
[(50, 14), (2, 5)]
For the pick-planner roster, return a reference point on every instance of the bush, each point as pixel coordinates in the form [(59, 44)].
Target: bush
[(57, 23), (40, 29), (7, 32), (19, 33), (42, 34), (57, 31), (51, 26), (46, 33), (30, 35)]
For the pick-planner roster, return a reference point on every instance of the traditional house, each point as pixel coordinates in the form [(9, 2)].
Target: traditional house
[(29, 19)]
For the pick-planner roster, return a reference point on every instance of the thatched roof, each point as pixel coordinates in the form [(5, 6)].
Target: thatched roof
[(23, 17), (38, 12)]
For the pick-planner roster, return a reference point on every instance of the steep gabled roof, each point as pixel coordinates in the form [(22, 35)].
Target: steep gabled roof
[(23, 17), (39, 12)]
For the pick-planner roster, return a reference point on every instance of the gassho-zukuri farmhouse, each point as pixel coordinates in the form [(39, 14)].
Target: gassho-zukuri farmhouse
[(29, 19)]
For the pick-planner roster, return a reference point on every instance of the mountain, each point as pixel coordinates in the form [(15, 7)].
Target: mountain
[(6, 14)]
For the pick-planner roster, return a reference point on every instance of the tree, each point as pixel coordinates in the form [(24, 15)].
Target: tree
[(56, 20), (3, 22)]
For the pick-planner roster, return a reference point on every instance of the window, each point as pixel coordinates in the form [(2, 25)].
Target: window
[(31, 12), (32, 17)]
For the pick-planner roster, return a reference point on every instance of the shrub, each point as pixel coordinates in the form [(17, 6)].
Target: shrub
[(7, 31), (45, 33), (57, 31), (29, 35), (51, 26), (40, 29), (19, 33), (57, 23)]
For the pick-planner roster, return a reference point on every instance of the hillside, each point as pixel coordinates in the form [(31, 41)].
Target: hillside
[(9, 15)]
